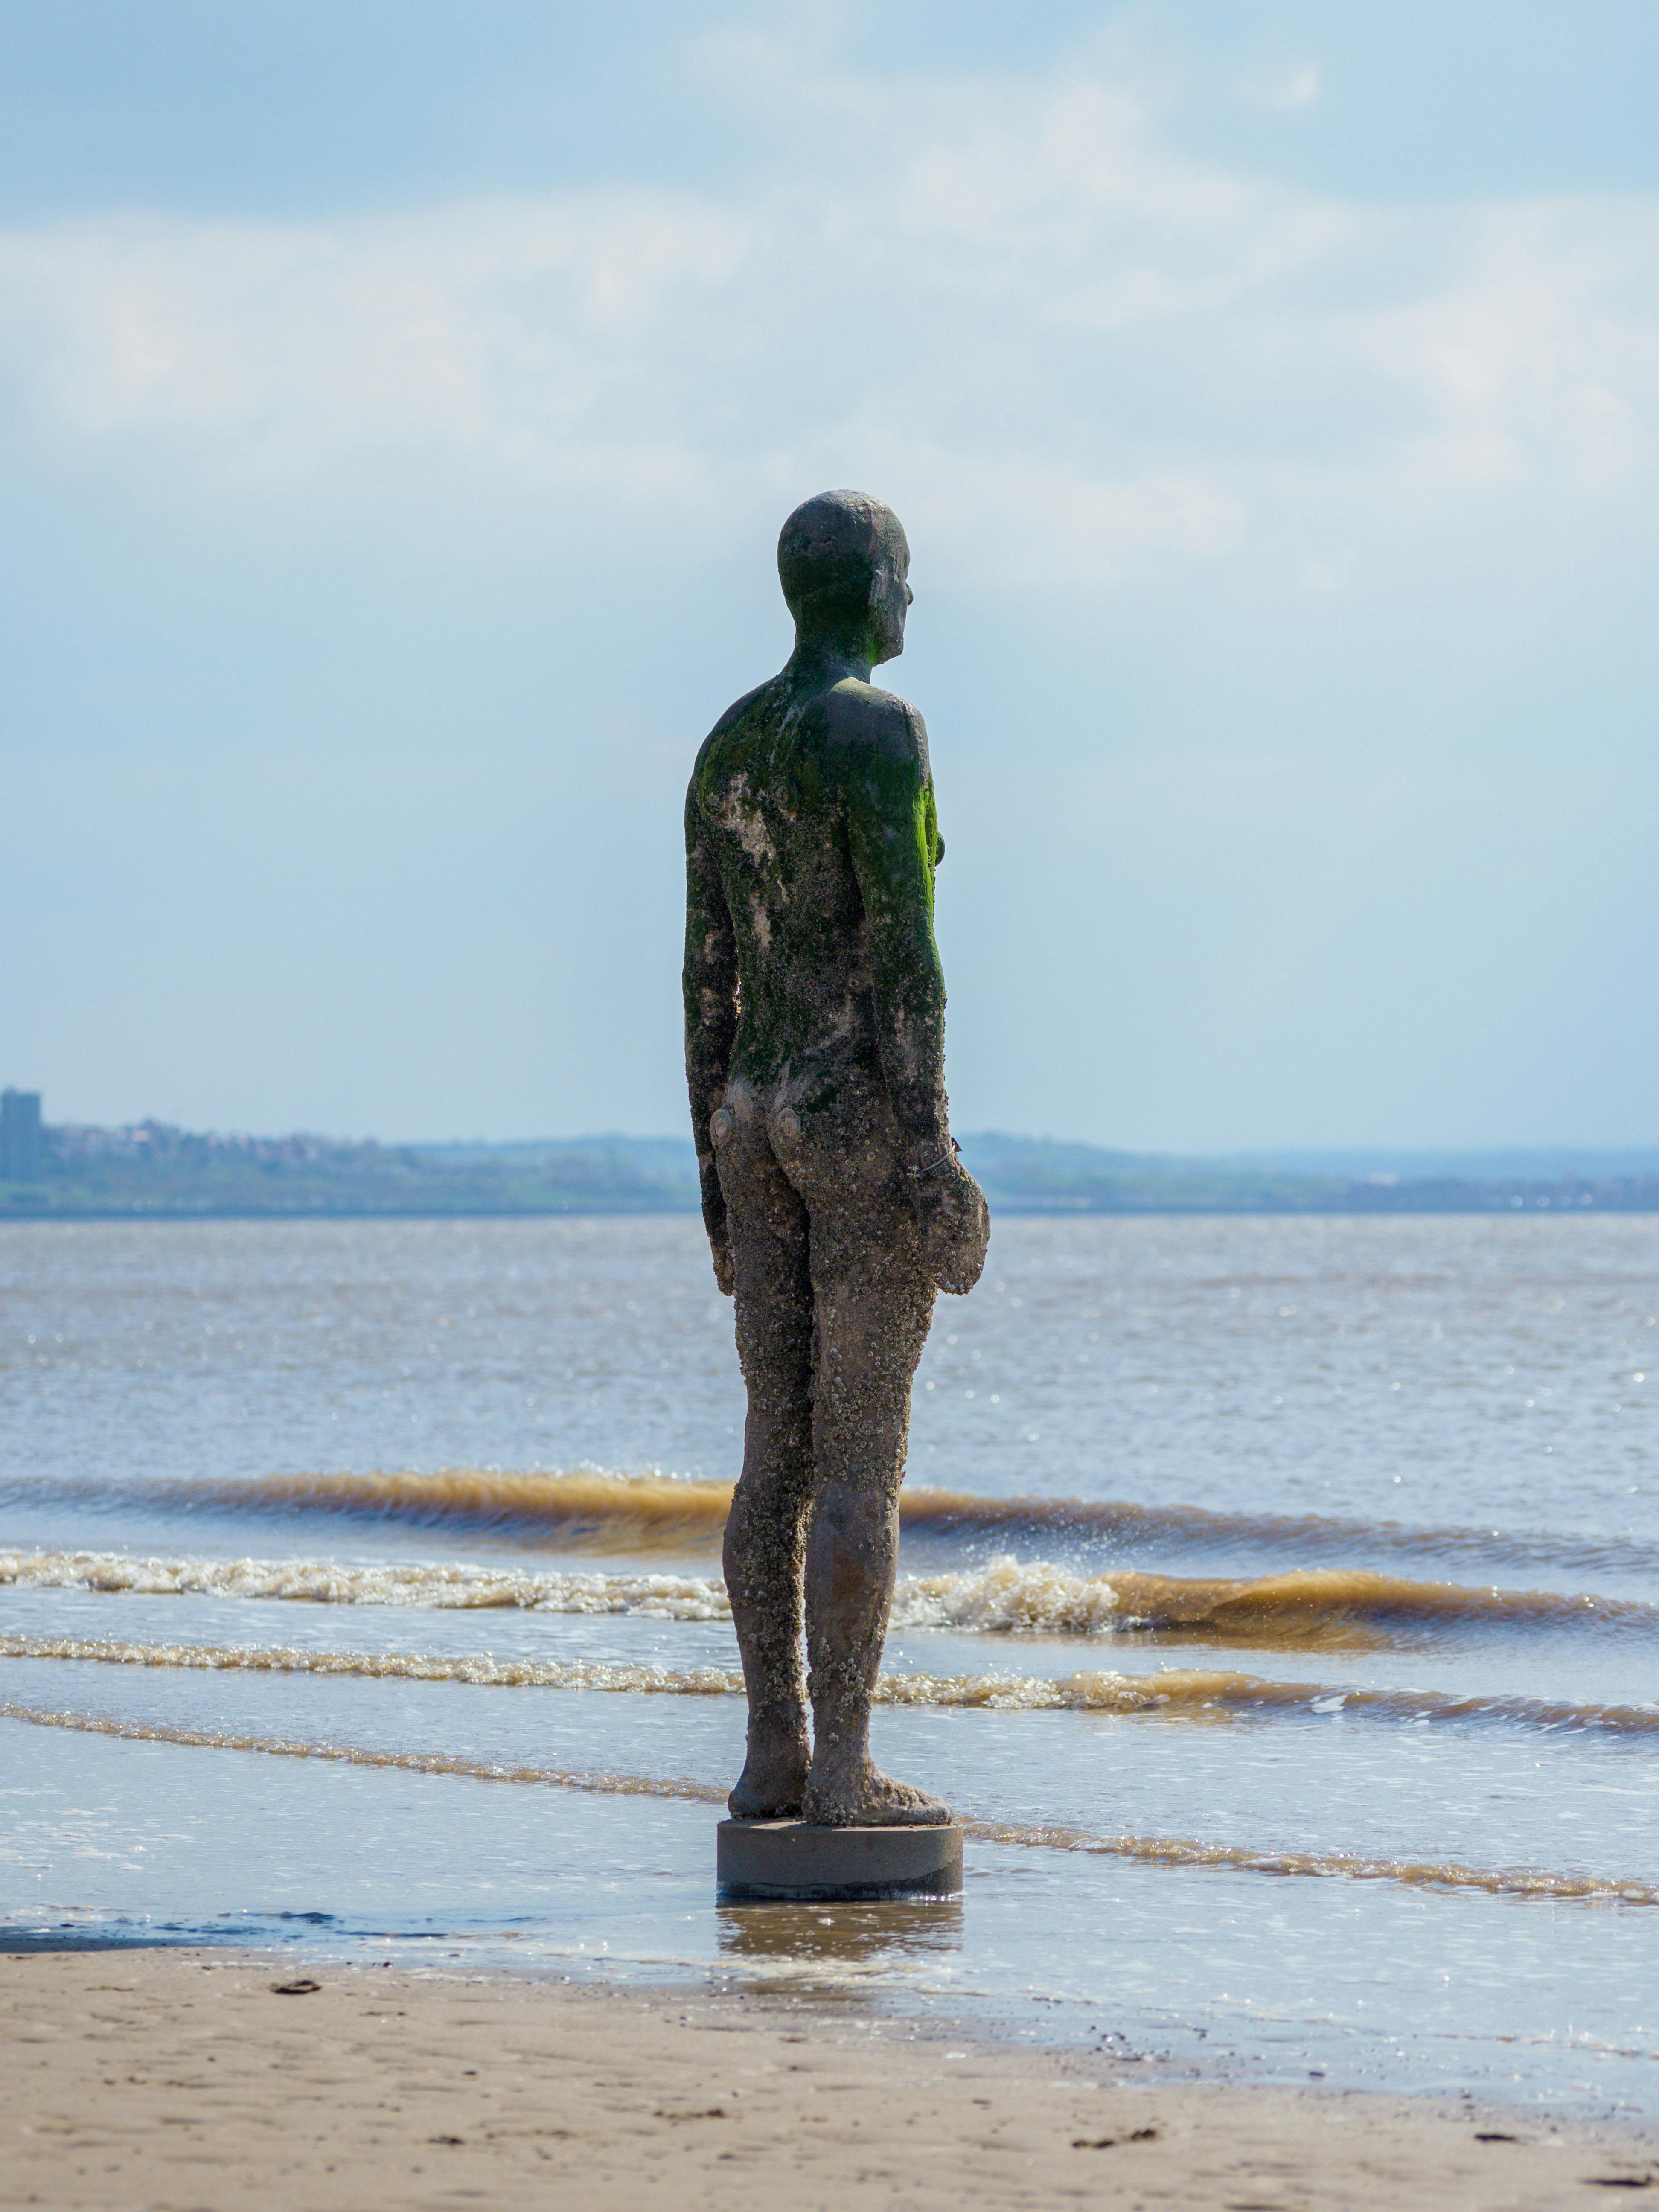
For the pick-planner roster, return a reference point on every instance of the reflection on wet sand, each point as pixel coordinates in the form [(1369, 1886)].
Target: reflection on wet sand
[(829, 1945)]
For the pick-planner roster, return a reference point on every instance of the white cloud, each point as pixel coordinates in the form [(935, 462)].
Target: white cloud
[(1298, 87), (507, 328), (1011, 298), (1542, 359)]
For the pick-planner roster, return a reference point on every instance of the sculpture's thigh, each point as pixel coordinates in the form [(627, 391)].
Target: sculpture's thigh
[(873, 1304), (770, 1255)]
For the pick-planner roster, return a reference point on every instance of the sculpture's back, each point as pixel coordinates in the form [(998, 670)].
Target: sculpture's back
[(799, 794)]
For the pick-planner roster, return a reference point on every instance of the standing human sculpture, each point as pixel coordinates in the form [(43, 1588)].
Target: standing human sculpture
[(834, 1198)]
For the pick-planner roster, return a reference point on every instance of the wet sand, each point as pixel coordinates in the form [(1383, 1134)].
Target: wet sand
[(160, 2081)]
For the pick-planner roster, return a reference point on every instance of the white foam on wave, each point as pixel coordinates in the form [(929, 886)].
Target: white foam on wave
[(445, 1588), (1203, 1694), (1340, 1607), (1004, 1598), (1001, 1598)]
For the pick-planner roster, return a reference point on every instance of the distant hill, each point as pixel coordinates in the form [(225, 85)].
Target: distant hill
[(150, 1169), (1036, 1174)]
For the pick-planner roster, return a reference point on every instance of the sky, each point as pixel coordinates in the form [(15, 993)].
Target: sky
[(399, 400)]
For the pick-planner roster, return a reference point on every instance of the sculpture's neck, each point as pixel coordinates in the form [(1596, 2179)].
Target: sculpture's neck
[(822, 658)]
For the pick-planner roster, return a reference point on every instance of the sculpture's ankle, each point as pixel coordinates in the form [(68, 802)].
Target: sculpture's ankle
[(841, 1745)]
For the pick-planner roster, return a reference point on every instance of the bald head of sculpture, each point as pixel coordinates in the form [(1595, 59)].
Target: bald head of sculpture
[(844, 563)]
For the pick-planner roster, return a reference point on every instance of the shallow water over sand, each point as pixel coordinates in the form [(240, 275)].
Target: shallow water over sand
[(1281, 1605)]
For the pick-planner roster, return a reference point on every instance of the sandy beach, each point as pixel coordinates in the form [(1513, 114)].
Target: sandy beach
[(158, 2080)]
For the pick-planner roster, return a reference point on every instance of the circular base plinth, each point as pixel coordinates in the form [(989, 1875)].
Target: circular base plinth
[(788, 1859)]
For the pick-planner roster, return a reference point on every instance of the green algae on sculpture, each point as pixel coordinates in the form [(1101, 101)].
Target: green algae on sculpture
[(835, 1202)]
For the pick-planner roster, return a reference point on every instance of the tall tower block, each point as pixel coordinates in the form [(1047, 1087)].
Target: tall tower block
[(19, 1136)]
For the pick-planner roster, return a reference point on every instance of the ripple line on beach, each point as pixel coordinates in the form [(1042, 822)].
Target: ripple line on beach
[(1173, 1693), (409, 1762), (1151, 1850)]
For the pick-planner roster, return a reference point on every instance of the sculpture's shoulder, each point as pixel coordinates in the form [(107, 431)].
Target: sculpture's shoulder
[(741, 720), (859, 728)]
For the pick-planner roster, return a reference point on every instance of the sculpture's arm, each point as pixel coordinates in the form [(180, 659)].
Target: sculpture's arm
[(893, 834), (710, 982)]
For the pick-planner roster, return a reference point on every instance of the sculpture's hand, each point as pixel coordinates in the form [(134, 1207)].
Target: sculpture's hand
[(719, 1247), (955, 1224)]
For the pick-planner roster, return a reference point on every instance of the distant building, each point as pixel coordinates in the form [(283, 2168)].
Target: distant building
[(19, 1136)]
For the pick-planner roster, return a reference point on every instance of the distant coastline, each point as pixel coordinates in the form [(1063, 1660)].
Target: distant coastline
[(150, 1171)]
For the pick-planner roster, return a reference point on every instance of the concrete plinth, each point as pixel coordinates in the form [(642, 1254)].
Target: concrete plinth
[(788, 1859)]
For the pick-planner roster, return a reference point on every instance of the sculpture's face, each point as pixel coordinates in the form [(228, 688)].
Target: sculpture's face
[(890, 599)]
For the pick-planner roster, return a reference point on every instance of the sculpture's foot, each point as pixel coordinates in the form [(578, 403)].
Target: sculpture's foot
[(867, 1798), (773, 1778)]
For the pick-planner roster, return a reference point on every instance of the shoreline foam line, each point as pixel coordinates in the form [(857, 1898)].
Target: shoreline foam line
[(1151, 1850), (1174, 1693), (1337, 1606), (661, 1513)]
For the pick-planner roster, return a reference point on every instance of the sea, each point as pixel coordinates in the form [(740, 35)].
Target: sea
[(1279, 1609)]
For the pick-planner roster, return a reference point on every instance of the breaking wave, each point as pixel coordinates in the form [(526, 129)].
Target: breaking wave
[(1332, 1606), (1151, 1850), (645, 1513), (1176, 1694), (585, 1512), (1336, 1608)]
